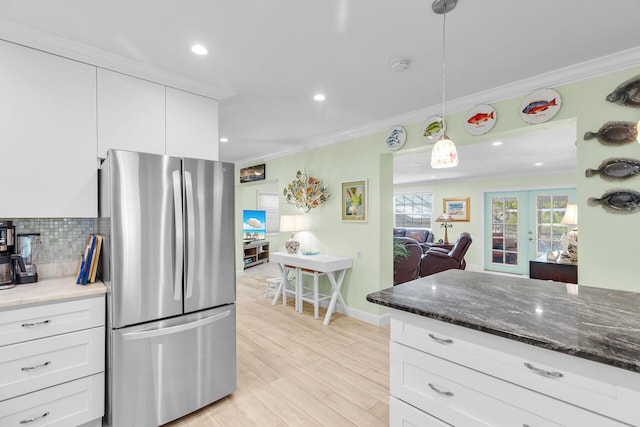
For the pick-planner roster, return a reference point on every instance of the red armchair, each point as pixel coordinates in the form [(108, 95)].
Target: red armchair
[(436, 260)]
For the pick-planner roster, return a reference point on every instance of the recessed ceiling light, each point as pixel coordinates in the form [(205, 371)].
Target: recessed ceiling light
[(198, 49), (224, 139), (495, 144), (538, 164), (319, 97)]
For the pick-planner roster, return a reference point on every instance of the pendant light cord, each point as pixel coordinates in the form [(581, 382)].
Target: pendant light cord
[(444, 23)]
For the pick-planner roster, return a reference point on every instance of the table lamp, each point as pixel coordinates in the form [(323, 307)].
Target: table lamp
[(292, 224), (445, 218), (570, 240)]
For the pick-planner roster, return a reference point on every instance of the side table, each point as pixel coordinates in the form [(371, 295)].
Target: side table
[(541, 268)]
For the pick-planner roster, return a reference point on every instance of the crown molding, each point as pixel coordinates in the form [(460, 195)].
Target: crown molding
[(582, 71), (39, 40), (571, 74)]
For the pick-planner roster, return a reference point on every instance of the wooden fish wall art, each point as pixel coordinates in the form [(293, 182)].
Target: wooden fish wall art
[(615, 133), (618, 201), (627, 93), (615, 169)]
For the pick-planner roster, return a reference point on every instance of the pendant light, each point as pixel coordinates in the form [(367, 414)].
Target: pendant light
[(444, 154)]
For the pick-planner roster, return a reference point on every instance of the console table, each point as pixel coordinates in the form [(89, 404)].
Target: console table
[(255, 253), (322, 263), (541, 268)]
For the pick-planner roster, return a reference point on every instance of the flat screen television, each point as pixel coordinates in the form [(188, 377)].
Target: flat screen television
[(254, 225)]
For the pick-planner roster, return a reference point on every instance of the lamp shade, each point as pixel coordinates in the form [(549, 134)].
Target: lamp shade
[(292, 223), (444, 154), (444, 217), (570, 215)]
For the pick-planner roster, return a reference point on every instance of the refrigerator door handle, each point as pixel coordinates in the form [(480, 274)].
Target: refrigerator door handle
[(191, 232), (177, 203), (175, 329)]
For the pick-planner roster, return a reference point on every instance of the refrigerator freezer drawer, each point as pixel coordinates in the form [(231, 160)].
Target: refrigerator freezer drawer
[(164, 370)]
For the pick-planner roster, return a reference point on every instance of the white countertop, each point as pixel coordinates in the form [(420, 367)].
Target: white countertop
[(48, 290)]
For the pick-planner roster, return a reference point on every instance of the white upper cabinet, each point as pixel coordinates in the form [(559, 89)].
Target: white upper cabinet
[(48, 111), (131, 114), (192, 125)]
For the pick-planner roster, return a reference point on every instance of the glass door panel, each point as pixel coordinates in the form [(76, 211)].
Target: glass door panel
[(550, 206), (506, 231)]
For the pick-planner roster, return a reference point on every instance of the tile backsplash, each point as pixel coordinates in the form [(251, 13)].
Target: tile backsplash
[(62, 240)]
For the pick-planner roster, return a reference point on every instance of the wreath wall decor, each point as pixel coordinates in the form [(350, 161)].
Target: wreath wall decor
[(306, 192)]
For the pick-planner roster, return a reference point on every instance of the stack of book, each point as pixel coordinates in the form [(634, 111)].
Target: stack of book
[(89, 261)]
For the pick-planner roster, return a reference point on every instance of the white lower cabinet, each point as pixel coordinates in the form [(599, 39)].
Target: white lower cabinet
[(406, 415), (53, 372), (458, 376), (69, 404)]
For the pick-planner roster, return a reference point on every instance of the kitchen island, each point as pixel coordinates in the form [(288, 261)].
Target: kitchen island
[(472, 348)]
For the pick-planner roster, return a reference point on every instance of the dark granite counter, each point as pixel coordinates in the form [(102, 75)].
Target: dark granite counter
[(602, 325)]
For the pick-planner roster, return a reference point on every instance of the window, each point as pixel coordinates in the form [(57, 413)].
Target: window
[(413, 210), (268, 202)]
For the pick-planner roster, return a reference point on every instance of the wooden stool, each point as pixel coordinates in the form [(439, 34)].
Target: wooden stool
[(272, 285)]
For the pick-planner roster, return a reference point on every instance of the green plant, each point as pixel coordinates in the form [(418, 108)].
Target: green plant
[(399, 250)]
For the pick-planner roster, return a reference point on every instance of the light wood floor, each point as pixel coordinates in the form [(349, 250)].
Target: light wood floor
[(294, 371)]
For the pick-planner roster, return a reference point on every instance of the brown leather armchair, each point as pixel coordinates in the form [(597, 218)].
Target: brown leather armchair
[(436, 260), (407, 269)]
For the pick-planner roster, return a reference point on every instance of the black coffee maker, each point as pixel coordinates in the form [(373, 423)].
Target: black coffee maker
[(7, 242)]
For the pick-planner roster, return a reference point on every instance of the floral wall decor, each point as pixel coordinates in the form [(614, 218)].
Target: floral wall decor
[(305, 192)]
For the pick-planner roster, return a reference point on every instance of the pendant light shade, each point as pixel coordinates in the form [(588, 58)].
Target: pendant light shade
[(444, 153)]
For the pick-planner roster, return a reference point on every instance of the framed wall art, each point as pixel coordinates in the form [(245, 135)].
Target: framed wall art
[(252, 173), (457, 207), (354, 201)]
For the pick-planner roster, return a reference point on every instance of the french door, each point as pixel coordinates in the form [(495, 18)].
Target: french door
[(520, 225)]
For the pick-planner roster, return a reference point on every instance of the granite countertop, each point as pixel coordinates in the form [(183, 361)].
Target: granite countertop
[(48, 290), (598, 324)]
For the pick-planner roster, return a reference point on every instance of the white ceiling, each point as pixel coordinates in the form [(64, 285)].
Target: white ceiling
[(268, 58)]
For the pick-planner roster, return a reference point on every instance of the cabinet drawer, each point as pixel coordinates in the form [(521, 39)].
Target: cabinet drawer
[(462, 396), (404, 415), (28, 323), (601, 388), (33, 365), (68, 404)]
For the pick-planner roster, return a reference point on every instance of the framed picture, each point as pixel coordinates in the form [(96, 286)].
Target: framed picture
[(354, 201), (457, 207), (252, 173)]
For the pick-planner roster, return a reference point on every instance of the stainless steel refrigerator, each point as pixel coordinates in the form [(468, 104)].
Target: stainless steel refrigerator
[(169, 268)]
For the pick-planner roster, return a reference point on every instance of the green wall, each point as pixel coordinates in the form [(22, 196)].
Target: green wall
[(607, 242)]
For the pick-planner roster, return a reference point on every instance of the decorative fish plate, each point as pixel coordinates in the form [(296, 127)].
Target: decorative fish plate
[(615, 169), (627, 93), (618, 201), (432, 129), (480, 119), (615, 133), (540, 106)]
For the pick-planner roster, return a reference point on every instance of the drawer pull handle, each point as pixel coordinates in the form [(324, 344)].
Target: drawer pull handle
[(31, 325), (544, 373), (442, 392), (441, 340), (42, 365), (30, 420)]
